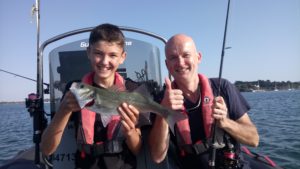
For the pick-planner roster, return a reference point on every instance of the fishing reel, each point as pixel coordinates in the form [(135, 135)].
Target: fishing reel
[(37, 113), (31, 103), (230, 159)]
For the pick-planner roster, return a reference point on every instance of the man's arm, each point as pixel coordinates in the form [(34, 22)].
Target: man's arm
[(243, 130), (159, 139), (159, 135), (52, 135)]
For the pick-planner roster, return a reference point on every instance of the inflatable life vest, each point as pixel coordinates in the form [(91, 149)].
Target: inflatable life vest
[(85, 132), (183, 134)]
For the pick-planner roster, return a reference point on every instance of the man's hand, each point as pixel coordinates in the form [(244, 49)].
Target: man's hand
[(220, 111), (173, 98)]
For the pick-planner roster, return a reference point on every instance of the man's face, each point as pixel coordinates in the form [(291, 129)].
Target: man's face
[(105, 58), (182, 60)]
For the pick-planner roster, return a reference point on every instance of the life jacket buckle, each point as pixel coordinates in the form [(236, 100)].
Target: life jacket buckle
[(200, 147), (114, 146), (97, 149)]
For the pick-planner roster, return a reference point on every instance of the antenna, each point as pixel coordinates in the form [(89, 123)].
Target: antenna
[(33, 11)]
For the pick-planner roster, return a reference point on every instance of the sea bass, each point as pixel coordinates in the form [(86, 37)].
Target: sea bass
[(106, 101)]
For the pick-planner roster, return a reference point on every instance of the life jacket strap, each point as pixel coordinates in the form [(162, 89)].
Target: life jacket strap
[(109, 147), (197, 148)]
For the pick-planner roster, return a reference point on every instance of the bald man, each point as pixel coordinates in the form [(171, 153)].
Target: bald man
[(196, 96)]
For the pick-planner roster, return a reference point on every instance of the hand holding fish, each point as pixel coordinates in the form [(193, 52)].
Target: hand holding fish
[(53, 133), (129, 118), (69, 103), (173, 98), (129, 115), (220, 111)]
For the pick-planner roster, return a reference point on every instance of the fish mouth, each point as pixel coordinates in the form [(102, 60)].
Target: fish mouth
[(90, 103)]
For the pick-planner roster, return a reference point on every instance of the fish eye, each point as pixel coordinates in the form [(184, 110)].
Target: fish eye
[(81, 86)]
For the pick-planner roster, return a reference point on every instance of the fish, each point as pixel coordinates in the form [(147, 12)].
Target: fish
[(106, 101)]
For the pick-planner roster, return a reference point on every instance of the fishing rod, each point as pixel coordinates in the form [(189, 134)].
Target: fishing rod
[(35, 103), (24, 77), (214, 145)]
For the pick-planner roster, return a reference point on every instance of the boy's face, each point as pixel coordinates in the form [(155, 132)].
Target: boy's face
[(105, 58)]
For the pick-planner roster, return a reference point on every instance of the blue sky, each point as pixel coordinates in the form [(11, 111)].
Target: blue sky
[(264, 34)]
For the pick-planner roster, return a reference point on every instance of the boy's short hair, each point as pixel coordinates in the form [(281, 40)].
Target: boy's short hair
[(109, 33)]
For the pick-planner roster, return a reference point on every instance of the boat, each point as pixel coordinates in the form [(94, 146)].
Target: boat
[(258, 161), (69, 62), (257, 88), (275, 87)]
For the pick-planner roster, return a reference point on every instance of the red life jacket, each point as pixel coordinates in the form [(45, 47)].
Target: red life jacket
[(183, 133), (85, 133)]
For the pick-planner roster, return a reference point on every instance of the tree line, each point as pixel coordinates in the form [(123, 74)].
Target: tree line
[(266, 85)]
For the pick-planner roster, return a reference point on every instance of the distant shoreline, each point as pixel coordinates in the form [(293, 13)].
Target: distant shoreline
[(6, 102)]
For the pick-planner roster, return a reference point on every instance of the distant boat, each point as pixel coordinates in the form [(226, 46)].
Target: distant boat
[(275, 88), (290, 88), (258, 89)]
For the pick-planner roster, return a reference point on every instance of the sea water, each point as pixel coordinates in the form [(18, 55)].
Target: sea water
[(275, 114), (16, 129)]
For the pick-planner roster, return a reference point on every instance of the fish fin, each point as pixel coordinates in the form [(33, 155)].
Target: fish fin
[(131, 85), (105, 117), (143, 90), (174, 117), (172, 127)]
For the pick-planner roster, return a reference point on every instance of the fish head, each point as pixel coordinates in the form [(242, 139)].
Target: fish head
[(84, 93)]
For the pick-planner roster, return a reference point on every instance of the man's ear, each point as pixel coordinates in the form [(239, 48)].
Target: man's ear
[(199, 57), (166, 62)]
